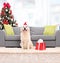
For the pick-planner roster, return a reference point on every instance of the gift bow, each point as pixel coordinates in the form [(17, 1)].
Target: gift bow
[(6, 5)]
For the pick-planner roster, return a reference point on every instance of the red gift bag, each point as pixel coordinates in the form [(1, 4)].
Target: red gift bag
[(40, 45), (37, 44)]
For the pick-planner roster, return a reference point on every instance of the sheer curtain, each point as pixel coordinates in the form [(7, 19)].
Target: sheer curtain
[(35, 12), (54, 12), (23, 11)]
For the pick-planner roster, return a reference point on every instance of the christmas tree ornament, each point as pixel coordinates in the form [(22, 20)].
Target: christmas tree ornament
[(0, 18), (5, 22), (8, 18), (2, 13), (10, 12), (6, 10), (17, 24), (6, 5), (11, 19), (12, 16), (14, 25)]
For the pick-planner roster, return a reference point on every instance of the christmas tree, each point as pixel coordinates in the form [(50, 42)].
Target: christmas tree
[(6, 16)]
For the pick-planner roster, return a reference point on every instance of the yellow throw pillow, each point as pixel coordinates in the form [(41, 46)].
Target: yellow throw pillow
[(50, 30), (8, 29)]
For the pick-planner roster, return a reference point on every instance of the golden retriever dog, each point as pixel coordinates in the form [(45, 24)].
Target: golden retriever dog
[(26, 42)]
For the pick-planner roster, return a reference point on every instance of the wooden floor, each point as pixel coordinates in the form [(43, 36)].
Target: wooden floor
[(18, 55)]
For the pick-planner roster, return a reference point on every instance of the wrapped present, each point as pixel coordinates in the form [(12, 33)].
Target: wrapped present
[(40, 45)]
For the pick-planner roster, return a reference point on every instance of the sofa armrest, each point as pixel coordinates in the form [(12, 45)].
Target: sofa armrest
[(58, 38), (2, 38)]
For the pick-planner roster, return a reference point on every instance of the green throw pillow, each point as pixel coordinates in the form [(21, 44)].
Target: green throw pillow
[(50, 30), (8, 29)]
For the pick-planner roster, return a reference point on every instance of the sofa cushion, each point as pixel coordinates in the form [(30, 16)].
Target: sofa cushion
[(12, 38), (36, 30), (44, 37), (16, 30), (8, 29), (50, 30)]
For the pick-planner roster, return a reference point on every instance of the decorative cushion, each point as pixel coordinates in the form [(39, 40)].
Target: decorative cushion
[(8, 29), (50, 30)]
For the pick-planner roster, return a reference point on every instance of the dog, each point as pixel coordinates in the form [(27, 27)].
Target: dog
[(26, 42)]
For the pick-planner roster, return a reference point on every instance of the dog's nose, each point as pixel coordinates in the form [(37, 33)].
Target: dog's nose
[(24, 28)]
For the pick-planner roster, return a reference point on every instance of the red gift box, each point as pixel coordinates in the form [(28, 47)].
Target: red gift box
[(40, 46)]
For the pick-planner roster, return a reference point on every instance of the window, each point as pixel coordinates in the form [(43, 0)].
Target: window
[(54, 11), (30, 11), (35, 12)]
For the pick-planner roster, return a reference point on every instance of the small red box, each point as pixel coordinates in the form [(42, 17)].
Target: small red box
[(40, 46)]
